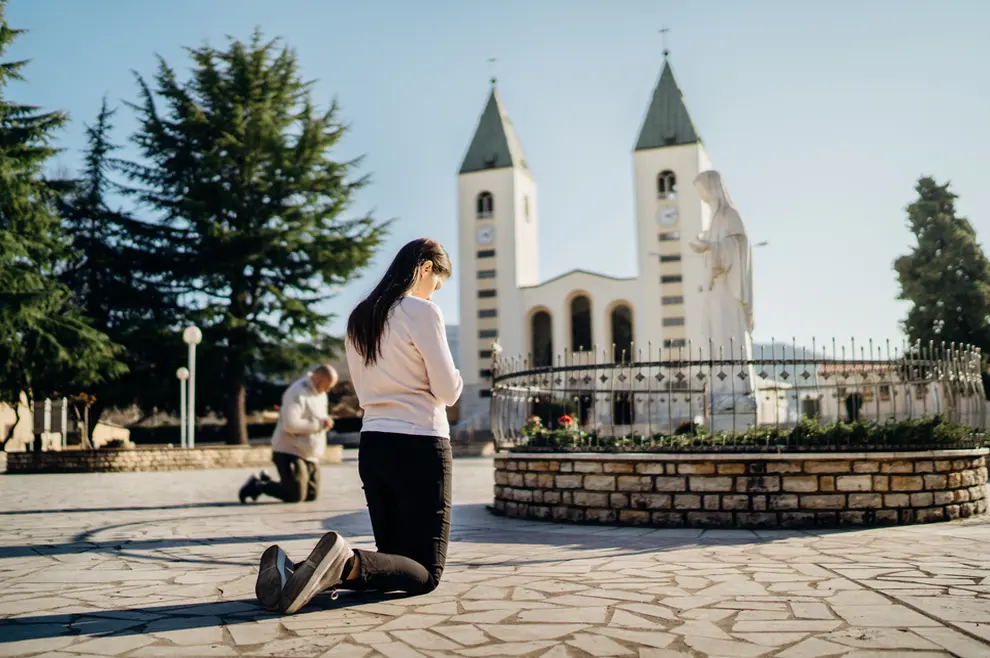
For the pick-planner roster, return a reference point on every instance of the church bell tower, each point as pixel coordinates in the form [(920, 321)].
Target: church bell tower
[(669, 214), (498, 251)]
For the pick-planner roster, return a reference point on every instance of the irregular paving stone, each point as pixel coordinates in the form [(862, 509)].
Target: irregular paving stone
[(713, 647), (412, 621), (650, 639), (523, 633), (188, 632), (954, 642), (559, 651), (812, 648), (785, 626), (253, 633), (771, 639), (396, 650), (214, 651), (952, 608), (421, 639), (707, 614), (486, 617), (880, 638), (572, 615), (181, 578), (346, 650), (651, 610), (883, 615), (701, 628), (465, 634), (598, 645), (507, 649), (868, 653), (25, 647), (111, 645), (629, 620)]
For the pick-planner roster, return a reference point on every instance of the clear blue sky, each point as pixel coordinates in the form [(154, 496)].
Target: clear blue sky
[(821, 116)]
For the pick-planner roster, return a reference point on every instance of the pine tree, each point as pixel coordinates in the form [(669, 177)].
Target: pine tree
[(946, 277), (115, 274), (239, 162), (46, 344)]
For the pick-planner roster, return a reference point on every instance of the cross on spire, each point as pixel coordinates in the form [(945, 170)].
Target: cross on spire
[(491, 62), (663, 36)]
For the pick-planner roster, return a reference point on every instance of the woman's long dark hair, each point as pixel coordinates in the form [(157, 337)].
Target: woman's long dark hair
[(366, 325)]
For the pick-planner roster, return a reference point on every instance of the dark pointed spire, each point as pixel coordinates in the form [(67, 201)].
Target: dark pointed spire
[(667, 121), (495, 144)]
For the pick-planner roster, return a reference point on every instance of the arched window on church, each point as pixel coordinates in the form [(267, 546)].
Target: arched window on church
[(666, 185), (486, 205), (581, 339), (622, 333), (541, 333)]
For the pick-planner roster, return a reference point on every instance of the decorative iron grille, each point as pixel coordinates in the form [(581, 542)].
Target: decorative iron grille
[(696, 399)]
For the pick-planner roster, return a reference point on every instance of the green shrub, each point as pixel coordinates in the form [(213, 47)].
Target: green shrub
[(922, 434)]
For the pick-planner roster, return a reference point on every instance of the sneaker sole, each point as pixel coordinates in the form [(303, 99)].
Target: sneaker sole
[(306, 580), (272, 576)]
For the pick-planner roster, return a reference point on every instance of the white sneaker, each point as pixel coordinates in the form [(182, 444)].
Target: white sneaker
[(322, 570)]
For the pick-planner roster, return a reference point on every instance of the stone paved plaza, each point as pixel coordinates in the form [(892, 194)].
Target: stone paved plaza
[(163, 564)]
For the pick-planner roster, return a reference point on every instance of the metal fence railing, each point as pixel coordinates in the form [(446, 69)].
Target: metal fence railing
[(665, 398)]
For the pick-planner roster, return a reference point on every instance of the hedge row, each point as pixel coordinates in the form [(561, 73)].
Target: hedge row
[(218, 433), (933, 433)]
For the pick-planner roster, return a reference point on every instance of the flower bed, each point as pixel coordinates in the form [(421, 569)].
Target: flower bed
[(932, 433)]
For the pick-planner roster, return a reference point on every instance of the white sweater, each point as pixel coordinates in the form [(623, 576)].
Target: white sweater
[(414, 379), (299, 430)]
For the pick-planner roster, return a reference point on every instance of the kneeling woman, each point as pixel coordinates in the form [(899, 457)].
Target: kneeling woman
[(405, 378)]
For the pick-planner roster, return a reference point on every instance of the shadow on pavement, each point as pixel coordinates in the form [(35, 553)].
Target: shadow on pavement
[(472, 523), (165, 618), (94, 510)]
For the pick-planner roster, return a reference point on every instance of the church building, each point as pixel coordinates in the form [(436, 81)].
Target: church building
[(585, 315)]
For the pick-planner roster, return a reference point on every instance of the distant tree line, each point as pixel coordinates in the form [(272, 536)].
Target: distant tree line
[(236, 216)]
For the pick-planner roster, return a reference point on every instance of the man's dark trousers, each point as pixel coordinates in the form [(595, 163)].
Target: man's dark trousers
[(298, 479)]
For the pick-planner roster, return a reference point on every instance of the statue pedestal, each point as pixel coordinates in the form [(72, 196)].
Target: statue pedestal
[(732, 413)]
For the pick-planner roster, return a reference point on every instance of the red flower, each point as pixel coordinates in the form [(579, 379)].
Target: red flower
[(565, 420)]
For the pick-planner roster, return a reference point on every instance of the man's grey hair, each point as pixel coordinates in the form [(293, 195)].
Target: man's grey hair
[(326, 370)]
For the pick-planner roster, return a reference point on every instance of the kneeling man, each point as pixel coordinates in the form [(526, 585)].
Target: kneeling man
[(299, 441)]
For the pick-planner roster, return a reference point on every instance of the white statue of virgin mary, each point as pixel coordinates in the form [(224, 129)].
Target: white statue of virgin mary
[(728, 282)]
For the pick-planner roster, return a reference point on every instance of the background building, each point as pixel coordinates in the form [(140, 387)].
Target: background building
[(583, 313)]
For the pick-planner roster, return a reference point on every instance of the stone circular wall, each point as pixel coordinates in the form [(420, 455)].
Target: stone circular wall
[(743, 490), (150, 459)]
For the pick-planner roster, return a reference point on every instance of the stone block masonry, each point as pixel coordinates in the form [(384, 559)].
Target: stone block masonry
[(150, 459), (161, 458), (743, 490)]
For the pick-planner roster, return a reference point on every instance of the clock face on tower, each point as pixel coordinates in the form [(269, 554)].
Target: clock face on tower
[(486, 235), (668, 215)]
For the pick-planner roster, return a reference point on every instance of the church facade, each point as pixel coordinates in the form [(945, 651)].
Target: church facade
[(579, 316)]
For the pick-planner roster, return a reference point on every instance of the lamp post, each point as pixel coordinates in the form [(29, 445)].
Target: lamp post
[(183, 375), (192, 336)]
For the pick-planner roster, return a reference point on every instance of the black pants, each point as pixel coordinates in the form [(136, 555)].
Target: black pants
[(406, 482), (298, 479)]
